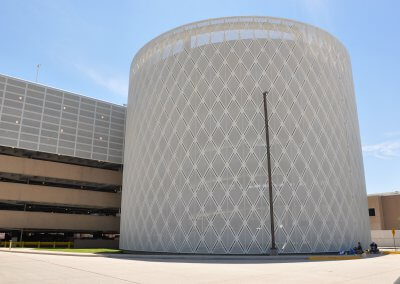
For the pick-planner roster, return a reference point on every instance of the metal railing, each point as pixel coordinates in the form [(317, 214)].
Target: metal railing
[(11, 244)]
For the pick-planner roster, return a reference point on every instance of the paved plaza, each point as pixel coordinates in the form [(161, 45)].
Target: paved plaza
[(47, 268)]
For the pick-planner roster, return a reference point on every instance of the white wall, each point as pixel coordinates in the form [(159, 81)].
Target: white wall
[(195, 170), (384, 238)]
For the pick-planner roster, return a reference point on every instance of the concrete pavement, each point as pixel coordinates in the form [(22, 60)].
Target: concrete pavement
[(43, 268)]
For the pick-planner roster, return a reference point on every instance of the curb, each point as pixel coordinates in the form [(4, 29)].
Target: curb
[(390, 252), (52, 253), (319, 258), (168, 257), (203, 257)]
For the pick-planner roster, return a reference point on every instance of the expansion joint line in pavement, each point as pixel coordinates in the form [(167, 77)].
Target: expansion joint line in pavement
[(88, 271)]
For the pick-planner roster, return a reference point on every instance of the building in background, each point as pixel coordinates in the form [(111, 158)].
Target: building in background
[(60, 163), (195, 169), (384, 216)]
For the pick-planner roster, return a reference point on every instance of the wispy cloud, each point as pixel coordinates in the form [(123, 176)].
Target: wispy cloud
[(115, 84), (392, 134), (385, 150)]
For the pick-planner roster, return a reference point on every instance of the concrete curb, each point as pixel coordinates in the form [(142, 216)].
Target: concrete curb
[(52, 253), (334, 257), (164, 257), (391, 252), (203, 257)]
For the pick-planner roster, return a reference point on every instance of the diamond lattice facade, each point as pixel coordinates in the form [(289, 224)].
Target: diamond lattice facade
[(195, 172)]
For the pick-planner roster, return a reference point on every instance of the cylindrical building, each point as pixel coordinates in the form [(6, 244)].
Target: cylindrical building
[(195, 172)]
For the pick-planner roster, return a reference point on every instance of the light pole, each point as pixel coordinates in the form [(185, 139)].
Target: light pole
[(37, 71), (274, 249)]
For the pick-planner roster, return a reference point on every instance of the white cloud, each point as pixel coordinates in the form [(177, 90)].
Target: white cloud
[(115, 84), (384, 150)]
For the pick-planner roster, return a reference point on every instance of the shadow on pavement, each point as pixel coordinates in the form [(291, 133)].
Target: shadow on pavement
[(239, 259), (209, 259)]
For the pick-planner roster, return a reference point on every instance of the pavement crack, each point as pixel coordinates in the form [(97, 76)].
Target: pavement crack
[(84, 270)]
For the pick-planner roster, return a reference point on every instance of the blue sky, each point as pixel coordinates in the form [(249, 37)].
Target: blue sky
[(87, 46)]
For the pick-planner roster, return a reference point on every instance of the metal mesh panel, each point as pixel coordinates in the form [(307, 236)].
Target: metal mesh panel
[(195, 176), (40, 118)]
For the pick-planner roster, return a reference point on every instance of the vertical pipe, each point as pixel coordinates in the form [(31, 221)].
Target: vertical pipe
[(273, 250), (22, 230)]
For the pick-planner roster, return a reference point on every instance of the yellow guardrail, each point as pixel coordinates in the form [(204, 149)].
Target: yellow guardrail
[(37, 244)]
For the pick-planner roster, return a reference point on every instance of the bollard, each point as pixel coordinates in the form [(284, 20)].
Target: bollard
[(10, 244)]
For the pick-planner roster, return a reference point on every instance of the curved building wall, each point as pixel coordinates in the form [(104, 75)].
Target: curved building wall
[(195, 173)]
